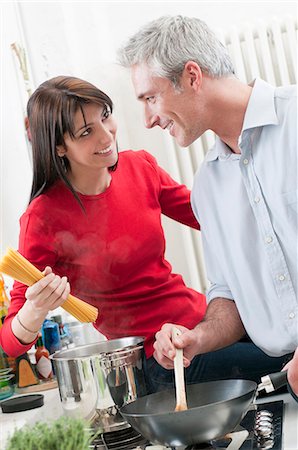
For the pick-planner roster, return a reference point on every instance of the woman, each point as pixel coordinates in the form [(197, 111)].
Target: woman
[(94, 218)]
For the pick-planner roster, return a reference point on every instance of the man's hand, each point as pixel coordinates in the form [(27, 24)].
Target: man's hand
[(165, 348), (220, 327), (292, 368)]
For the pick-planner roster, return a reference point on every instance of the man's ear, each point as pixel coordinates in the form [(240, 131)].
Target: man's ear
[(192, 74), (60, 150)]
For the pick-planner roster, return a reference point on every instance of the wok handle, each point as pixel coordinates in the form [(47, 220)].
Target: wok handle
[(273, 381)]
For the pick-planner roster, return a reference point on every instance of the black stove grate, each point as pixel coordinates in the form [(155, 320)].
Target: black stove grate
[(126, 439)]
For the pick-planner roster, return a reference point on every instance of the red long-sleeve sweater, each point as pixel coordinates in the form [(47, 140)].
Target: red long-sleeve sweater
[(113, 254)]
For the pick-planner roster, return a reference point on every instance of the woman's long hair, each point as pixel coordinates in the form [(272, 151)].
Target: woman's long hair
[(51, 110)]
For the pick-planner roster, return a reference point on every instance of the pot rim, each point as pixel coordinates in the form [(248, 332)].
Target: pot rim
[(63, 355)]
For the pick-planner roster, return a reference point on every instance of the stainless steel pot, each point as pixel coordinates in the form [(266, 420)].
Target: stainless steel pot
[(95, 380)]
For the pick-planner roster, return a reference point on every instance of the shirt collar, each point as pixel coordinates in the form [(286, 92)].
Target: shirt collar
[(220, 150), (260, 111)]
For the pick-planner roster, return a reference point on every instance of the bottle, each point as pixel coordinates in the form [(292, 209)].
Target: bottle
[(51, 336), (43, 362), (64, 335)]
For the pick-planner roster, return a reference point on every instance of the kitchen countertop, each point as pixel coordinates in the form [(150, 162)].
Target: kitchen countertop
[(52, 409)]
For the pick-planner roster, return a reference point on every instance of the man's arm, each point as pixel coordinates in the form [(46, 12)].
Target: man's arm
[(220, 327)]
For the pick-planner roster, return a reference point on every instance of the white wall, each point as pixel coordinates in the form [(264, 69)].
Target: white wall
[(81, 39), (14, 153)]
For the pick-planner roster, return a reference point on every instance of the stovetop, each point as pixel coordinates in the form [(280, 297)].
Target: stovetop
[(260, 429)]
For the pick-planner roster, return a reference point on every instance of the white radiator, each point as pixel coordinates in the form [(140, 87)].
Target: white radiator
[(264, 50)]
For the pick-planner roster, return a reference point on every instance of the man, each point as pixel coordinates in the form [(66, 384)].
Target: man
[(245, 194)]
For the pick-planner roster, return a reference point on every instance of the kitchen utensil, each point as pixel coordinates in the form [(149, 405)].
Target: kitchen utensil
[(214, 409), (181, 404), (95, 380)]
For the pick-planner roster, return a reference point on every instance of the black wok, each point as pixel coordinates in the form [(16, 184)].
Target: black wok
[(215, 409)]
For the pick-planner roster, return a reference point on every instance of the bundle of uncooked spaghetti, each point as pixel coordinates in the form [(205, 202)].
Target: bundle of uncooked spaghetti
[(20, 269)]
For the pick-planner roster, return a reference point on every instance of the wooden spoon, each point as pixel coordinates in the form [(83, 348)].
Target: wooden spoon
[(181, 404)]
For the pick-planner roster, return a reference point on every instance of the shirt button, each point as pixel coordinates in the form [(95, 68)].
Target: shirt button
[(291, 315), (245, 161), (257, 199), (269, 239), (281, 278)]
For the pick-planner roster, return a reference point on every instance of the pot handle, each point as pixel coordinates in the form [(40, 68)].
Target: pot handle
[(273, 381)]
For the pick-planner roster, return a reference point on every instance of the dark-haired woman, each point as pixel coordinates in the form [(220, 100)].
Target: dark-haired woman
[(94, 222)]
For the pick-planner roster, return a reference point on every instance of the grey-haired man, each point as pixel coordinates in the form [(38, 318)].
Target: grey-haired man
[(245, 195)]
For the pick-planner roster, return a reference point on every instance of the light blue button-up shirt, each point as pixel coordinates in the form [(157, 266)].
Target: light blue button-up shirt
[(247, 207)]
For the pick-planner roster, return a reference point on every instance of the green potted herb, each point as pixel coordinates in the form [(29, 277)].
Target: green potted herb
[(63, 434)]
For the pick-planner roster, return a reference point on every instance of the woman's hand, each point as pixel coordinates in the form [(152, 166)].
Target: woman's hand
[(43, 296), (48, 293)]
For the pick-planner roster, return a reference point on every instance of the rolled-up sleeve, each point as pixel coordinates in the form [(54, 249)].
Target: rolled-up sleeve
[(217, 290), (218, 285)]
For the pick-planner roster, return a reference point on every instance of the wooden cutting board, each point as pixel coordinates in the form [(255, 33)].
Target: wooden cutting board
[(42, 386)]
